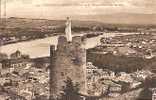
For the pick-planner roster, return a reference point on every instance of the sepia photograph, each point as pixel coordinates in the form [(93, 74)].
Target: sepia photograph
[(77, 49)]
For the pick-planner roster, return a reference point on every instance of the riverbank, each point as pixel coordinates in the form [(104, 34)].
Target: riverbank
[(40, 47)]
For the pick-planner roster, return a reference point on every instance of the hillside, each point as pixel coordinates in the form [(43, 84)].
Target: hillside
[(122, 18), (118, 20), (40, 28)]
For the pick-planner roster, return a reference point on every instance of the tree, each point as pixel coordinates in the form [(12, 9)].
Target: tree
[(70, 91), (25, 56), (3, 56), (40, 97)]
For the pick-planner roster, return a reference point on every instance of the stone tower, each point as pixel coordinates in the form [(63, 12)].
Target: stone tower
[(69, 60)]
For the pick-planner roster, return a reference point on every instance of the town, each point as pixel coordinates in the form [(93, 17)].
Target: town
[(77, 50), (119, 67)]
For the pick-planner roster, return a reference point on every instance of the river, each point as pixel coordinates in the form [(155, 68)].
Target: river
[(40, 47)]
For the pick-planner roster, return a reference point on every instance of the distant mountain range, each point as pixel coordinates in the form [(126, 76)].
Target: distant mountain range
[(86, 20), (122, 18)]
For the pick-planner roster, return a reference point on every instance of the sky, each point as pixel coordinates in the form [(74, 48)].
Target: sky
[(57, 9)]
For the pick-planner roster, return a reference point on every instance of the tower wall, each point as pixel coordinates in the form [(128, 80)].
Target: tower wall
[(69, 61), (52, 72)]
